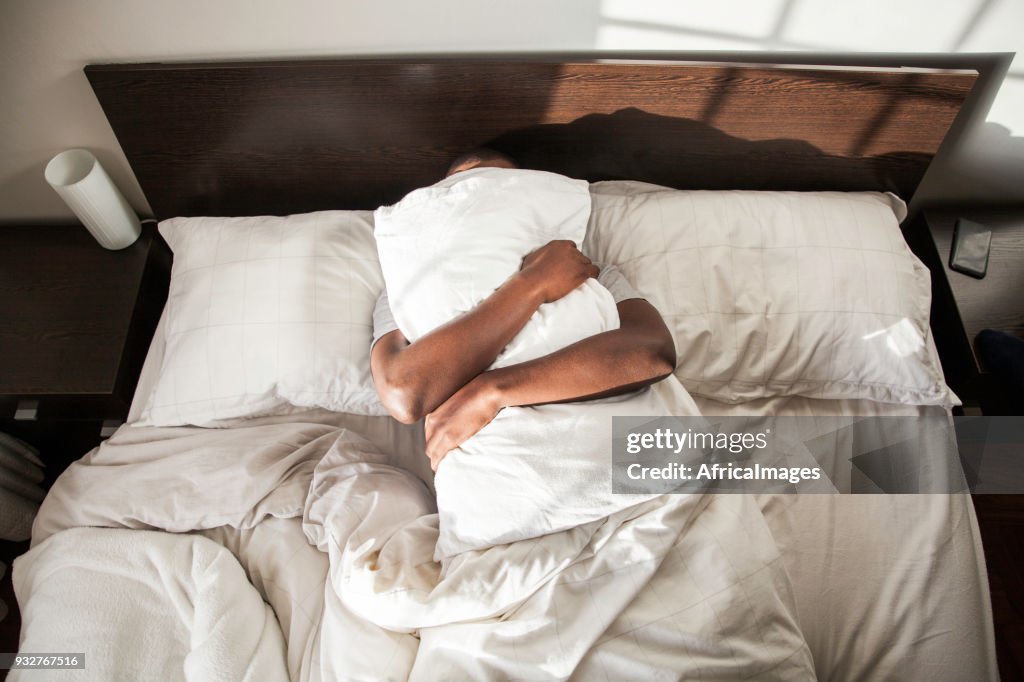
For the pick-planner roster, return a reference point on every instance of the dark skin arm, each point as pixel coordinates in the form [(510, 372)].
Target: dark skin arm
[(414, 379), (640, 352)]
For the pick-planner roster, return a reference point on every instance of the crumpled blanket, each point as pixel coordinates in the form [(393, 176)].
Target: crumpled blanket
[(676, 586)]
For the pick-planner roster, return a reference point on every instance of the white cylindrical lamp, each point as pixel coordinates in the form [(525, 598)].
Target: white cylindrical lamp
[(86, 188)]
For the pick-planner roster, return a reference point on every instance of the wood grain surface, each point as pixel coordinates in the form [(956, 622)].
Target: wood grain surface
[(284, 137), (997, 301), (77, 317)]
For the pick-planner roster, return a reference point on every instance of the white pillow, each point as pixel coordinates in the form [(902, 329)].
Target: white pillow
[(265, 315), (777, 293), (445, 248), (442, 250)]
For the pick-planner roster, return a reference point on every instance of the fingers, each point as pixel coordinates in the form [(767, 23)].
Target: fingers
[(569, 248), (557, 246), (435, 455), (583, 258), (556, 251), (590, 269), (436, 450), (571, 253), (428, 428), (587, 267)]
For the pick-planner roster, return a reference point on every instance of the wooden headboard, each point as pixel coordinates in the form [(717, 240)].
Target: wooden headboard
[(249, 138)]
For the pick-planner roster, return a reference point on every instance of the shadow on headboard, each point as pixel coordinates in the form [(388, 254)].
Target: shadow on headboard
[(681, 152), (285, 137)]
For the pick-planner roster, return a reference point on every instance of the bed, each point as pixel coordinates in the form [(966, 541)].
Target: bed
[(295, 538)]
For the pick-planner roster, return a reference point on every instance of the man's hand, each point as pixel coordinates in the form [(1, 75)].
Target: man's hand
[(470, 409), (557, 268)]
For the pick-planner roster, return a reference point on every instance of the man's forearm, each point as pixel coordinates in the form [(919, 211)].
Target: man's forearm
[(606, 364)]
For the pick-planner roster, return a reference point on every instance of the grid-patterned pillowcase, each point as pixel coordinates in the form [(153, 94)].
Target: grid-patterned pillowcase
[(267, 314), (777, 293)]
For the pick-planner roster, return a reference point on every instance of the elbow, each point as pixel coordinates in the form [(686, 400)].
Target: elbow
[(667, 357), (402, 402), (661, 358)]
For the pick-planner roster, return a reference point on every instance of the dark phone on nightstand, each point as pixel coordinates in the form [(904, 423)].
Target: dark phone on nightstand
[(971, 243)]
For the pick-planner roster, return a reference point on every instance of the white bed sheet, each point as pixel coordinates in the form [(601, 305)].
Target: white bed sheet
[(887, 586)]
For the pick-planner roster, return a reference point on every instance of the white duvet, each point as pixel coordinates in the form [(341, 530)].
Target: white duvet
[(676, 586), (175, 607)]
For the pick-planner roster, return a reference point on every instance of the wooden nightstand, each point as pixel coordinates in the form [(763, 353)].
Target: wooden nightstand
[(76, 323), (962, 305)]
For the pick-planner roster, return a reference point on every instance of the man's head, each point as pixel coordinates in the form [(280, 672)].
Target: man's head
[(480, 158)]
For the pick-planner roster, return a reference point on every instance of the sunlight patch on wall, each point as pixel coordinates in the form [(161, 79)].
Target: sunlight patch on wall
[(880, 25), (619, 37), (999, 28), (755, 20), (827, 25)]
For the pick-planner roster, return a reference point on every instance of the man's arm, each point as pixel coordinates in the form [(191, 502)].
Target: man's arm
[(414, 379), (640, 352)]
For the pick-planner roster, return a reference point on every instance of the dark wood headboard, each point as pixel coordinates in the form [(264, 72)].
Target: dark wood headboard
[(249, 138)]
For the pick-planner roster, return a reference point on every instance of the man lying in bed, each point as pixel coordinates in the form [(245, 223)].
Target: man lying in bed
[(442, 375)]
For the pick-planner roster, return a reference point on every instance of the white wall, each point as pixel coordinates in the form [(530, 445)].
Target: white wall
[(46, 104)]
